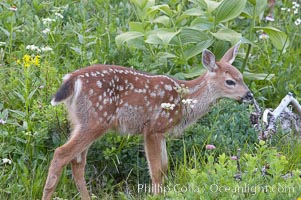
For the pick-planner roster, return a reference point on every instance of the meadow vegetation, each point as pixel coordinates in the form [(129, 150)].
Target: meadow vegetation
[(40, 41)]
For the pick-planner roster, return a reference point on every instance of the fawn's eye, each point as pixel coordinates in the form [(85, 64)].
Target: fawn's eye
[(230, 82)]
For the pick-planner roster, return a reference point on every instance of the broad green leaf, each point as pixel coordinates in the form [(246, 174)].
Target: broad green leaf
[(164, 8), (248, 10), (194, 12), (192, 35), (278, 38), (258, 76), (136, 26), (161, 37), (194, 72), (153, 38), (229, 9), (227, 35), (211, 5), (219, 48), (252, 2), (143, 4), (201, 24), (260, 7), (200, 3), (198, 48), (246, 41), (166, 55), (162, 20), (127, 36)]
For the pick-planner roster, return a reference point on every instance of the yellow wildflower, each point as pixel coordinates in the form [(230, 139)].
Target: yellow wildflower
[(36, 60), (26, 60), (26, 64)]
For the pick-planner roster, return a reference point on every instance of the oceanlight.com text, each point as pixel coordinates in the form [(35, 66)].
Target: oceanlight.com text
[(216, 188)]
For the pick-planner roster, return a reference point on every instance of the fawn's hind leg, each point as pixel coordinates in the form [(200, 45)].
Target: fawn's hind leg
[(78, 171), (78, 143)]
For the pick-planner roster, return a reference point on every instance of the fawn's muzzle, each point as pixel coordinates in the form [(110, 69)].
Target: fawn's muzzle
[(248, 97)]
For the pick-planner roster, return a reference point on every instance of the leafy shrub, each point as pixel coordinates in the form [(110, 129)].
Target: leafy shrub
[(261, 175), (167, 38)]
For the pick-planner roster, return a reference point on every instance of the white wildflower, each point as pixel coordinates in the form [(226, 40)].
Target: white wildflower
[(6, 161), (182, 89), (13, 8), (2, 43), (46, 31), (269, 18), (47, 20), (168, 106), (283, 9), (298, 22), (33, 48), (2, 121), (59, 9), (190, 102), (59, 15), (28, 134), (295, 4), (186, 101), (263, 36), (45, 49)]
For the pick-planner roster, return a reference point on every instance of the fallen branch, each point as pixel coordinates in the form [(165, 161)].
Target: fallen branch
[(288, 119)]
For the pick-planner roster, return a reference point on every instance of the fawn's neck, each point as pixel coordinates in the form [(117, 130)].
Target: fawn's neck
[(205, 95)]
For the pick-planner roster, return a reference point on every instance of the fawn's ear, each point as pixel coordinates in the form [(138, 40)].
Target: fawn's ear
[(208, 60), (230, 55)]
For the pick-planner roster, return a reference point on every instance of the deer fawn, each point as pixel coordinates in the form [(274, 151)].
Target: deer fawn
[(104, 97)]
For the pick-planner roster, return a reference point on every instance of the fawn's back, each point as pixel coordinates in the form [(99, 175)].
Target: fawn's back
[(121, 98)]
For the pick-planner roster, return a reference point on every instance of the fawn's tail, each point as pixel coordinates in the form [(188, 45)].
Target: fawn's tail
[(65, 91)]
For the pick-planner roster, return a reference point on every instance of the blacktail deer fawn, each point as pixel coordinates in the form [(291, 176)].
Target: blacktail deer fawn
[(105, 97)]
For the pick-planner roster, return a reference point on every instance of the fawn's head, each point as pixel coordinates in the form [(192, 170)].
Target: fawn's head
[(225, 78)]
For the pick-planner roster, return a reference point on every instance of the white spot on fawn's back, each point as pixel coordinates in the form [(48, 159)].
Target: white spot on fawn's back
[(99, 84), (168, 87), (91, 92)]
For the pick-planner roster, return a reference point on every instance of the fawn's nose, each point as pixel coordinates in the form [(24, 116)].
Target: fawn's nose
[(248, 97)]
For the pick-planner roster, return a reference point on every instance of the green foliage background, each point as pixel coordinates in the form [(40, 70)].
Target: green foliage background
[(162, 37)]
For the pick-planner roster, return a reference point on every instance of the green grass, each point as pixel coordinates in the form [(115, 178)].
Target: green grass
[(82, 33)]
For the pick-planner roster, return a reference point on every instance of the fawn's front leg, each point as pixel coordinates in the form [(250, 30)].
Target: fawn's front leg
[(155, 150)]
